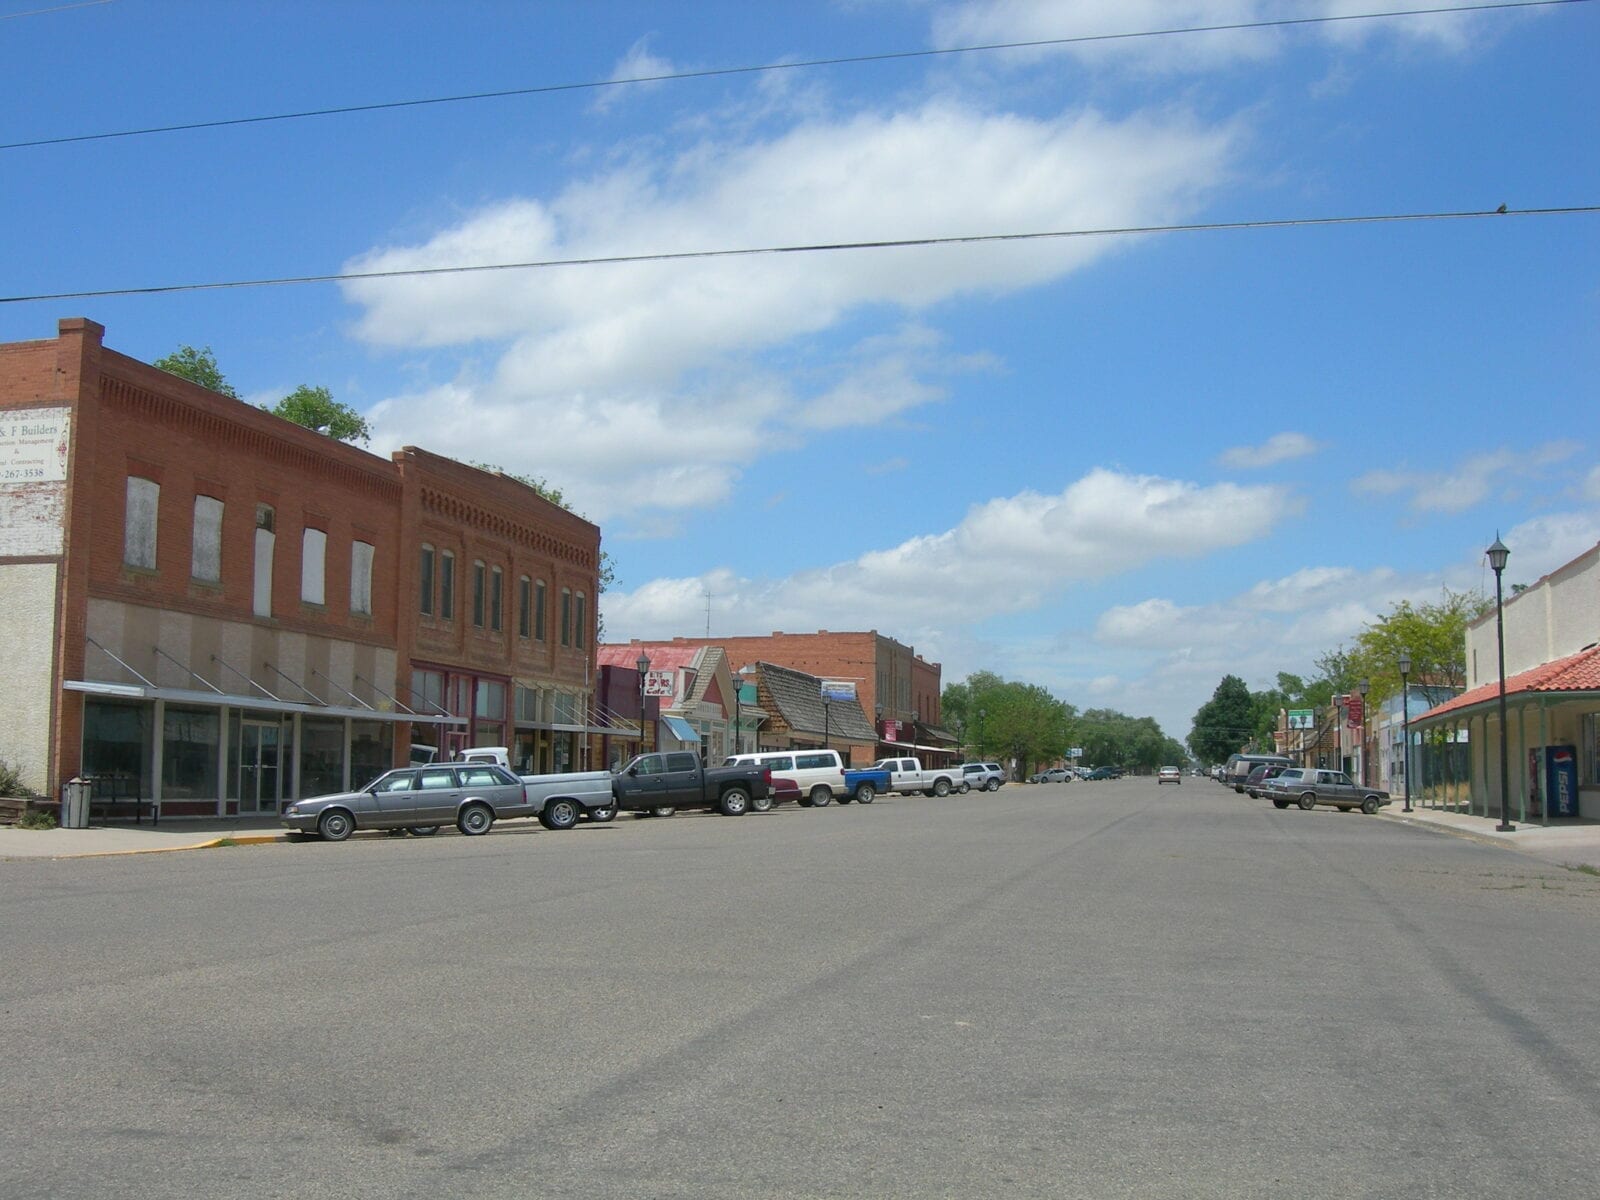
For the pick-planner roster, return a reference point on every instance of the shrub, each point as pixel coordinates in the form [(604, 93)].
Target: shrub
[(36, 818), (11, 780)]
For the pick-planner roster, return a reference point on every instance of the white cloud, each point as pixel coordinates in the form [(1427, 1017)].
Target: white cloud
[(1280, 447), (1473, 481), (637, 64), (642, 362), (988, 22), (1007, 555), (1546, 542)]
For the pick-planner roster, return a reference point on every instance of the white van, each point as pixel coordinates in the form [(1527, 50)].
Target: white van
[(820, 773)]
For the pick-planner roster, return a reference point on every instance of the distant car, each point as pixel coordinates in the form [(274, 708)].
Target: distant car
[(1169, 775), (1311, 786), (417, 799), (1053, 775), (1104, 773), (983, 776)]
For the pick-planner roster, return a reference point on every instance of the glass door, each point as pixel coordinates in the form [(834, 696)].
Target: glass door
[(260, 759)]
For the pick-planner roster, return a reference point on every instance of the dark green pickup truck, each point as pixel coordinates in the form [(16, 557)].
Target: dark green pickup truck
[(660, 784)]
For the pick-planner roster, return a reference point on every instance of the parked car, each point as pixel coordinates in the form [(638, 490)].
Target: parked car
[(1238, 767), (1104, 773), (783, 791), (1255, 783), (1311, 786), (1053, 775), (1169, 775), (471, 796), (983, 776), (819, 773), (660, 784), (902, 775)]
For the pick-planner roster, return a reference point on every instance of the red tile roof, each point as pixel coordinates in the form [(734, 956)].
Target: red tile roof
[(1578, 672)]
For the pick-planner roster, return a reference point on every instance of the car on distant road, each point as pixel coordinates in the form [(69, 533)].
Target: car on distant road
[(1104, 773), (1053, 775), (1169, 775), (470, 796), (1311, 786)]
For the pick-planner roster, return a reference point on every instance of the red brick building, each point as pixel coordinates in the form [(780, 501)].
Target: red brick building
[(898, 690), (218, 610)]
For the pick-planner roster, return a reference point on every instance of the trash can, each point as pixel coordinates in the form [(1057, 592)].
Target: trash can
[(75, 803)]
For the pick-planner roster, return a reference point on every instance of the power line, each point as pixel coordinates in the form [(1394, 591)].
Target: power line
[(714, 72), (41, 12), (814, 248)]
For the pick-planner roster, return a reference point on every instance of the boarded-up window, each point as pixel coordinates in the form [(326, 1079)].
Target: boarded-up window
[(313, 566), (425, 579), (361, 578), (139, 531), (207, 557)]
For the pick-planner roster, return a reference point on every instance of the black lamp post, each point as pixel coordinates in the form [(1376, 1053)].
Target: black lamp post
[(1497, 562), (1363, 687), (1404, 663), (643, 663)]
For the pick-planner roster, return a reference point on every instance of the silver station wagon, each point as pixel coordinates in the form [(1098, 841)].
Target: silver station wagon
[(418, 799), (1311, 786)]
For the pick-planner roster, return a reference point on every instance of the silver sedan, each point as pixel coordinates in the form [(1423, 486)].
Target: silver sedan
[(418, 799)]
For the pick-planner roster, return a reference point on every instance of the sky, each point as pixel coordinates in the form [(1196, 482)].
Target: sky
[(1119, 466)]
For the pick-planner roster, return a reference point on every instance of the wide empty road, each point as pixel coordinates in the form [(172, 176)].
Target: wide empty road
[(1095, 990)]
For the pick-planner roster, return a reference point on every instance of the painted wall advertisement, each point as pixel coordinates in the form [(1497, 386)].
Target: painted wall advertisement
[(33, 480)]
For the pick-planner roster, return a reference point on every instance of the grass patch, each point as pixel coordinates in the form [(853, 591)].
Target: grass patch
[(36, 819), (225, 841), (1584, 869)]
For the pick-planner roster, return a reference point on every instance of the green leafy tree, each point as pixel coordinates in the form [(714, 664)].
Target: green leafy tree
[(1224, 723), (1005, 718), (197, 366), (1433, 634), (315, 408)]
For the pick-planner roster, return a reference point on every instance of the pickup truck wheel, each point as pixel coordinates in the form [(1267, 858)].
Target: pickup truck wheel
[(663, 810), (941, 787), (866, 794), (475, 819), (422, 830), (1308, 801), (821, 796), (761, 803), (602, 814), (735, 802), (559, 814), (1279, 803), (1369, 805)]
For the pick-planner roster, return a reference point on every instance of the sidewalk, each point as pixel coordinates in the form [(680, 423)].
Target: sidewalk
[(1567, 843), (124, 838)]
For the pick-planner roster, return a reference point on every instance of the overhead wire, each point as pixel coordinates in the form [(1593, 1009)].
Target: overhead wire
[(43, 12), (715, 72), (809, 248)]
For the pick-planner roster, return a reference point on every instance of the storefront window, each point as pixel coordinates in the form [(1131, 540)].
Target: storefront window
[(371, 750), (189, 746), (321, 756), (116, 743)]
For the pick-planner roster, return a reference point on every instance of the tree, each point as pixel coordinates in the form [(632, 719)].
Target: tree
[(197, 366), (1434, 635), (1224, 723), (999, 717), (315, 408)]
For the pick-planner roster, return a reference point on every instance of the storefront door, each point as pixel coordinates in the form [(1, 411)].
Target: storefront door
[(260, 762)]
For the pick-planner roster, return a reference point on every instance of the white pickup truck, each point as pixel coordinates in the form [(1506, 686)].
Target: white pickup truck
[(907, 775), (559, 801)]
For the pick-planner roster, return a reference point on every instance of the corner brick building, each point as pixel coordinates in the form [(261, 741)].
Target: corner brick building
[(216, 610)]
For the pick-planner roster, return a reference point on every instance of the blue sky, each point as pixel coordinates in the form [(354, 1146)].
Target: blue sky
[(1119, 467)]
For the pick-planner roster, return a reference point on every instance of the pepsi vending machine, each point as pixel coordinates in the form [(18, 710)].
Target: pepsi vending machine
[(1555, 779)]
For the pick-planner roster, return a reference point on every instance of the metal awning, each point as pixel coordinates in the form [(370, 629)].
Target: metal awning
[(915, 746), (681, 729), (133, 691)]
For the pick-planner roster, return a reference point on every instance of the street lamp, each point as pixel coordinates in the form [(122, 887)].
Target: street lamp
[(1404, 664), (1363, 688), (1497, 562), (643, 663)]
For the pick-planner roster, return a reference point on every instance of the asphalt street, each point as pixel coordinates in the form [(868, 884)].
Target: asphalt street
[(1092, 990)]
